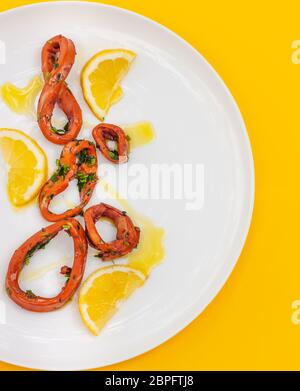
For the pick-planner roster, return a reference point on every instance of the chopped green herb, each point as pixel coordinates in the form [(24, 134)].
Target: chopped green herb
[(38, 246), (84, 157), (54, 177), (99, 255), (63, 169), (91, 160), (59, 77), (67, 276), (47, 76), (55, 65), (83, 179), (60, 131), (30, 294), (114, 155), (128, 138), (66, 227)]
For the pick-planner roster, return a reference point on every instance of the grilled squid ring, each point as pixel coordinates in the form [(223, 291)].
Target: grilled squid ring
[(77, 160), (103, 133), (127, 234), (58, 56), (28, 299)]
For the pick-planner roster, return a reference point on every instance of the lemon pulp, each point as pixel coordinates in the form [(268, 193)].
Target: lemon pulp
[(27, 166), (103, 291), (101, 77), (21, 100)]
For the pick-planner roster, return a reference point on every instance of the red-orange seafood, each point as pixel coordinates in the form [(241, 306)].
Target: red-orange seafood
[(127, 234), (77, 160), (28, 299), (58, 56), (103, 133)]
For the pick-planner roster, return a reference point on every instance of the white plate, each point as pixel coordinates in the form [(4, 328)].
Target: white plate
[(196, 121)]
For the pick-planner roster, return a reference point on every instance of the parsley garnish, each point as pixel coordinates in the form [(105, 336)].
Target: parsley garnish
[(62, 170), (91, 160), (84, 157), (54, 177), (83, 179), (30, 294), (60, 131), (38, 246), (114, 155)]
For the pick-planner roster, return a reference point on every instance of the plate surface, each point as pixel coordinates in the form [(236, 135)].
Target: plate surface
[(196, 122)]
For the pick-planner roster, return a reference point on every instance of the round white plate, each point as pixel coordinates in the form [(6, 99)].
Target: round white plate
[(196, 122)]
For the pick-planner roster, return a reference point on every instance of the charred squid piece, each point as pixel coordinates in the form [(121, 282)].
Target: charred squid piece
[(103, 133), (28, 300), (127, 234), (58, 56), (78, 160)]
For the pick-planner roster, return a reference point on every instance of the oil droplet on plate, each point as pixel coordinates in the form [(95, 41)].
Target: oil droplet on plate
[(21, 100), (150, 251), (139, 133), (27, 276)]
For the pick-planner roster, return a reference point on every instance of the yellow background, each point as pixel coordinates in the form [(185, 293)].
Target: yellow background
[(248, 325)]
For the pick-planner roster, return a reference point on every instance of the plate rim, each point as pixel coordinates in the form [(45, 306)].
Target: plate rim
[(244, 226)]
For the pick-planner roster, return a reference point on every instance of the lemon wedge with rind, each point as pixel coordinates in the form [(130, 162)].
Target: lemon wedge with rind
[(101, 78), (26, 165), (103, 291)]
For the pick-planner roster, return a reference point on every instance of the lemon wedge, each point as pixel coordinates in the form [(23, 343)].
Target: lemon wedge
[(26, 165), (103, 291), (101, 77)]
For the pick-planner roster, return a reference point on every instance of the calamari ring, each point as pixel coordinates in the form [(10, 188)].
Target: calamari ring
[(77, 160), (105, 132), (58, 56), (127, 234), (28, 299)]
